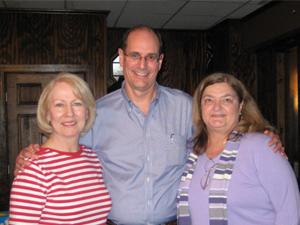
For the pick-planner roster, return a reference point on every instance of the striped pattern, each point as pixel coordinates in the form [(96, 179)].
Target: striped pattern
[(218, 187), (220, 182), (60, 188), (183, 213)]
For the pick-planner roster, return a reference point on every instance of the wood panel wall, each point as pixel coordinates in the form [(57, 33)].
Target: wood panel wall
[(229, 55), (50, 37), (30, 37)]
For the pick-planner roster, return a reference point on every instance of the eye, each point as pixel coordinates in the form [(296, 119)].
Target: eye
[(207, 100), (152, 57), (59, 105), (135, 56), (79, 103), (227, 100)]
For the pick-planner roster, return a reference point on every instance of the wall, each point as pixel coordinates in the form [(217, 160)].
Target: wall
[(51, 38)]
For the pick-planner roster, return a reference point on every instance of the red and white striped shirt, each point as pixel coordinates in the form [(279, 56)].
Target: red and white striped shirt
[(60, 188)]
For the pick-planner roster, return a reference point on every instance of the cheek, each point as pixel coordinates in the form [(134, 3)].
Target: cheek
[(54, 114), (154, 67), (204, 111), (82, 113), (234, 112)]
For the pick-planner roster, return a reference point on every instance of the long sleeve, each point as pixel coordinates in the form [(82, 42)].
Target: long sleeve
[(278, 180), (28, 196)]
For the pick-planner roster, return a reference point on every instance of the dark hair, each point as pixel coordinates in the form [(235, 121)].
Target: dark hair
[(252, 121), (125, 36)]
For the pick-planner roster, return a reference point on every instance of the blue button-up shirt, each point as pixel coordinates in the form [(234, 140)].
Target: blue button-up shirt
[(143, 157)]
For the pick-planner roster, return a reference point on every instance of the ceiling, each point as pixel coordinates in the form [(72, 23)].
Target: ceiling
[(163, 14)]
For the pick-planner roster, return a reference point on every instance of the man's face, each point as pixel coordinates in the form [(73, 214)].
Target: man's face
[(140, 75)]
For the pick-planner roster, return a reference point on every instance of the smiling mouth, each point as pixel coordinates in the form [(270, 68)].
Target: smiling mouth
[(218, 115), (71, 123), (141, 74)]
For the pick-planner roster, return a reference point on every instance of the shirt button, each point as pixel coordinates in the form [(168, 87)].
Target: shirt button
[(129, 109), (147, 136), (148, 179), (148, 202), (148, 158)]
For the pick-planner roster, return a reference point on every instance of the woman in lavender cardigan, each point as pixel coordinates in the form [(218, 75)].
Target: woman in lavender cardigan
[(232, 176)]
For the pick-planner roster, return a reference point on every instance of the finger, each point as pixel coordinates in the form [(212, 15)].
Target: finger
[(275, 141), (30, 155), (282, 152), (277, 147), (35, 147), (18, 168)]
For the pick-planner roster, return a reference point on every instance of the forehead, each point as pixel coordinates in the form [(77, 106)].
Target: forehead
[(61, 89), (219, 89), (143, 41)]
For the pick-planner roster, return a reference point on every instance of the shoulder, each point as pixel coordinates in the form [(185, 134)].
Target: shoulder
[(256, 142), (255, 145), (86, 149), (174, 96), (109, 98), (256, 138), (175, 93)]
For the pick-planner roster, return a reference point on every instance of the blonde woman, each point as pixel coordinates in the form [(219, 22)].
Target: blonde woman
[(65, 184)]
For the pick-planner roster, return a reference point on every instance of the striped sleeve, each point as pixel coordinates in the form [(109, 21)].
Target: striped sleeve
[(28, 196)]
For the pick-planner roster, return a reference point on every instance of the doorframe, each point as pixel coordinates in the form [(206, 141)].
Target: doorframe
[(5, 70)]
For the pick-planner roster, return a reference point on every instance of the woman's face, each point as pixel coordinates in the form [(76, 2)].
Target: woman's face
[(220, 108), (66, 113)]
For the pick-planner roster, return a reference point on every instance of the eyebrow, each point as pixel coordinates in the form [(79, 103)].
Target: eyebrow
[(140, 53), (226, 95)]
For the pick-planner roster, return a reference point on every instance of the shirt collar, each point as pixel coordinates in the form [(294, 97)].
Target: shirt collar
[(129, 102)]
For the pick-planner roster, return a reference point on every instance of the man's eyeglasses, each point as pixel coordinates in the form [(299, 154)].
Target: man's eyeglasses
[(205, 180), (135, 57)]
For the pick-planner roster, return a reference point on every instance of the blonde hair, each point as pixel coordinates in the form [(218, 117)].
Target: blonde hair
[(252, 121), (80, 89)]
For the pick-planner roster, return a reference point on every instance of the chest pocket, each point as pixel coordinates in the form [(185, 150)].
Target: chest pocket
[(176, 148)]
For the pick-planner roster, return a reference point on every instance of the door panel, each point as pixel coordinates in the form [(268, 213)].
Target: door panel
[(23, 91)]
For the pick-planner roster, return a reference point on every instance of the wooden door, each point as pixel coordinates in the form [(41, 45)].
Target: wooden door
[(23, 91)]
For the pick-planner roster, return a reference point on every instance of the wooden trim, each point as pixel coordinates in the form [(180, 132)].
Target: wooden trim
[(55, 11)]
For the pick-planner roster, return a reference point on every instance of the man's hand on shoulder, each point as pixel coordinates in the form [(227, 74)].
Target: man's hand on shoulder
[(26, 153), (275, 141)]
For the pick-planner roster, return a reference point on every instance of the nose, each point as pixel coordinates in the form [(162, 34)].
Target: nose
[(142, 63), (69, 111), (217, 105)]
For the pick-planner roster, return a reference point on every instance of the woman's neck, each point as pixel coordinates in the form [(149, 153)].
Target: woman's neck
[(62, 144), (215, 145)]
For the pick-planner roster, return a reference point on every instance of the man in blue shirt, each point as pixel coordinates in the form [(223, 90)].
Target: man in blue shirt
[(141, 136)]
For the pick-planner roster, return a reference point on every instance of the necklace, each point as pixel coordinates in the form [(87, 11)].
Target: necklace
[(213, 153)]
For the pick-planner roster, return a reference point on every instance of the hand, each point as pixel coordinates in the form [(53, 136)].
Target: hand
[(21, 160), (276, 140)]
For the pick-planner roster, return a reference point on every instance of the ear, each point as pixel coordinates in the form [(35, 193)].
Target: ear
[(121, 56), (86, 114), (241, 106), (48, 117), (160, 61)]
